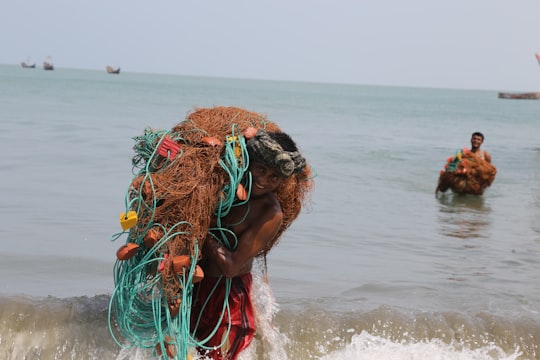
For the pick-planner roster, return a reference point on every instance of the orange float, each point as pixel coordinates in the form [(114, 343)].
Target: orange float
[(180, 262), (241, 192), (151, 238), (127, 251), (212, 141), (198, 274)]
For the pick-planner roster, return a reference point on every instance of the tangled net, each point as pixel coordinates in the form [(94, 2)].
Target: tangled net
[(466, 173), (183, 178)]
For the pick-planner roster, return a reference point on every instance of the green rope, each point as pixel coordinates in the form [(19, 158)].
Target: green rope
[(138, 309), (225, 309), (453, 163)]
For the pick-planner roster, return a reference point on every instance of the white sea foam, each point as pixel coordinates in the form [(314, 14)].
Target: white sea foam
[(368, 347)]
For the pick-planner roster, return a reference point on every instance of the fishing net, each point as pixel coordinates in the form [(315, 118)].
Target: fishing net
[(183, 178), (466, 173)]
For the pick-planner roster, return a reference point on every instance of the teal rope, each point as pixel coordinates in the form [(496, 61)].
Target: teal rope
[(138, 309), (226, 308), (454, 163)]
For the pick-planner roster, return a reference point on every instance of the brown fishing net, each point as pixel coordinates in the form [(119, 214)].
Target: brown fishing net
[(466, 173), (180, 193), (185, 179)]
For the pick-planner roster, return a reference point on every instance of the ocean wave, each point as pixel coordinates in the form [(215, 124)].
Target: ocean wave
[(77, 328)]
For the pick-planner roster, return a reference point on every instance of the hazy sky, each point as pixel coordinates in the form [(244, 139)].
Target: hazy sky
[(468, 44)]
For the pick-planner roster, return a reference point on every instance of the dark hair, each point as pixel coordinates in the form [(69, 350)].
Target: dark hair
[(283, 139), (278, 150), (478, 133)]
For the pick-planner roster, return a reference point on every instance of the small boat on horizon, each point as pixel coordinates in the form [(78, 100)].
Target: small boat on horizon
[(47, 64), (28, 64), (112, 70), (522, 95)]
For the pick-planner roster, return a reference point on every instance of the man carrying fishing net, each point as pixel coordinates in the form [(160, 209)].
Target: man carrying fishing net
[(469, 171), (253, 227), (212, 194)]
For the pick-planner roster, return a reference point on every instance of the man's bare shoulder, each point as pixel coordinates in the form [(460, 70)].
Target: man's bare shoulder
[(265, 207)]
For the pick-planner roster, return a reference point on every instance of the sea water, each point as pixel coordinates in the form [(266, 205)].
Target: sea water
[(375, 267)]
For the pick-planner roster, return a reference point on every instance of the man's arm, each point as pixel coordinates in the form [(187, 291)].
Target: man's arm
[(487, 156), (250, 243)]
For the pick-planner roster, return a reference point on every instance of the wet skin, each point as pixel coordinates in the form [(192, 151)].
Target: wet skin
[(255, 224)]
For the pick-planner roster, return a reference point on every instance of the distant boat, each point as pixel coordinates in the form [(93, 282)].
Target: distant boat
[(112, 70), (524, 96), (28, 65), (47, 64)]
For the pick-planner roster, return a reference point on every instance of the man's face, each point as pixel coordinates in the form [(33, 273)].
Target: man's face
[(476, 141), (265, 179)]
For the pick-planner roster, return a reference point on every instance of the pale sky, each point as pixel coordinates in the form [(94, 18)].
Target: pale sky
[(464, 44)]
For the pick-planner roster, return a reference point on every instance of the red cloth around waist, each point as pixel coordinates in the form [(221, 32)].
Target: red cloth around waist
[(241, 320)]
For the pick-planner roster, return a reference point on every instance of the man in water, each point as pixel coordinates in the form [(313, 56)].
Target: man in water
[(477, 139), (251, 229)]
